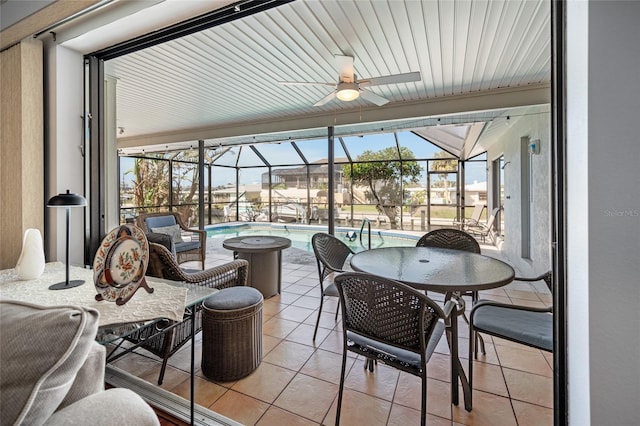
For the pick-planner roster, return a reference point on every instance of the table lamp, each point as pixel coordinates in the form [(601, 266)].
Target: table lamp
[(67, 200)]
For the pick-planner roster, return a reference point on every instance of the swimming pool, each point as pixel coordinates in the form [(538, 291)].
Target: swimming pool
[(300, 235)]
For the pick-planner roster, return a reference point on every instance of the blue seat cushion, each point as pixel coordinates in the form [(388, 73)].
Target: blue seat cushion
[(160, 221), (187, 245), (530, 328), (233, 298), (388, 353), (331, 290)]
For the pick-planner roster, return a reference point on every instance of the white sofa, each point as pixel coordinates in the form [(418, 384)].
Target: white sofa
[(52, 370)]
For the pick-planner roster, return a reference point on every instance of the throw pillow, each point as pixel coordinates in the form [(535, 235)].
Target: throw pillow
[(173, 231), (42, 349)]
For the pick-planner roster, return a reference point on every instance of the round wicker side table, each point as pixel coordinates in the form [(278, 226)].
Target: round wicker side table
[(232, 333)]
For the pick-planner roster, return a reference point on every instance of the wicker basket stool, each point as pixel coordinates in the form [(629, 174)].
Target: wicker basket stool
[(232, 333)]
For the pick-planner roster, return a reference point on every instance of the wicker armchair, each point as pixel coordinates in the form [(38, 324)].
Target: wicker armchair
[(194, 248), (162, 264), (331, 254), (389, 321)]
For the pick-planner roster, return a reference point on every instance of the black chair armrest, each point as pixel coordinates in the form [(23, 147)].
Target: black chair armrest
[(482, 303), (547, 277), (448, 308)]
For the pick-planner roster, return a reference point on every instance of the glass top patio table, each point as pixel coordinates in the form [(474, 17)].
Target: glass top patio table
[(439, 270), (435, 269), (196, 294)]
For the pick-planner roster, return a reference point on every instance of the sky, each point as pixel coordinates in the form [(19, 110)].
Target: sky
[(279, 154)]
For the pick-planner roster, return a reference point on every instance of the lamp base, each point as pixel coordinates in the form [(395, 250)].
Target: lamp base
[(66, 284)]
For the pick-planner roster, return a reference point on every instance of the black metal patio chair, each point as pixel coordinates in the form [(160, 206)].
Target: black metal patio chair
[(526, 325), (391, 322), (331, 255)]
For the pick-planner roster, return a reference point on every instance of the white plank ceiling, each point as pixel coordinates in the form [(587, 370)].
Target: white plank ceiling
[(478, 60)]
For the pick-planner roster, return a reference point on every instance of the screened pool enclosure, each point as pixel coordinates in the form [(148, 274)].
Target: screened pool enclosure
[(395, 180)]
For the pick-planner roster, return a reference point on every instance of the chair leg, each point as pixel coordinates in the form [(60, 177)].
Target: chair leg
[(341, 388), (369, 363), (337, 309), (162, 370), (423, 414), (473, 349), (479, 340), (318, 319)]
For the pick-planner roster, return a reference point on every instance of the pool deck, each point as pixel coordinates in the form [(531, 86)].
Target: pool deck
[(217, 255)]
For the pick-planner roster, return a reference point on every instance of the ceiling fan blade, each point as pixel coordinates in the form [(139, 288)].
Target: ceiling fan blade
[(326, 99), (391, 79), (372, 97), (344, 64), (306, 83)]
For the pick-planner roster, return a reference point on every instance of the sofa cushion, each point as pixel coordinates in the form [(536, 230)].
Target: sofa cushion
[(115, 406), (89, 378), (173, 231), (42, 349)]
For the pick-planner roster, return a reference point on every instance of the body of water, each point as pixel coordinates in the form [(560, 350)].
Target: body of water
[(300, 235)]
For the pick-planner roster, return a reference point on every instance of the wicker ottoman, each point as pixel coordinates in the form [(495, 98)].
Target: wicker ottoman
[(231, 333)]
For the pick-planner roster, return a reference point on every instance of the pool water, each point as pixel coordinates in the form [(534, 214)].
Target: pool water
[(300, 235)]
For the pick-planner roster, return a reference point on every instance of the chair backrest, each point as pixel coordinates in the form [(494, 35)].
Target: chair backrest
[(449, 238), (486, 229), (160, 221), (492, 218), (387, 311), (331, 253), (477, 212)]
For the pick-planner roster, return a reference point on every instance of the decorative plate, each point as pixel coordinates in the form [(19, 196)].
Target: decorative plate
[(120, 264)]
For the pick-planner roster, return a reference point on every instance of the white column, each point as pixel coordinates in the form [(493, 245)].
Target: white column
[(112, 218), (603, 208)]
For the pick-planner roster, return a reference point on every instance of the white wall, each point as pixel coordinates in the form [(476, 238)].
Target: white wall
[(603, 208), (63, 138), (535, 126)]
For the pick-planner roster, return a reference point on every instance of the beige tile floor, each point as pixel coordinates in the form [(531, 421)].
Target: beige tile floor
[(297, 381)]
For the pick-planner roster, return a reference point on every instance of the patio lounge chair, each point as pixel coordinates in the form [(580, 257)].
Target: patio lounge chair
[(167, 228), (474, 220), (389, 321), (483, 230)]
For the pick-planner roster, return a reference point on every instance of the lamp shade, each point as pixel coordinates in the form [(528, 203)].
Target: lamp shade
[(67, 200), (347, 92)]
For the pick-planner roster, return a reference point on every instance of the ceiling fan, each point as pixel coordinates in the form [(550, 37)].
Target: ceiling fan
[(349, 88)]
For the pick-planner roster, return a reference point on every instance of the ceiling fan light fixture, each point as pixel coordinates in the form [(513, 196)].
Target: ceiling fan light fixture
[(347, 92)]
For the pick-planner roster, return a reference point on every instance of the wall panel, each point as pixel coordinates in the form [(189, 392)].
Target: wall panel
[(21, 147)]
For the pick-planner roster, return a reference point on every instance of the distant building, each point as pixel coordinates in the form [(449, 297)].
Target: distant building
[(296, 177)]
